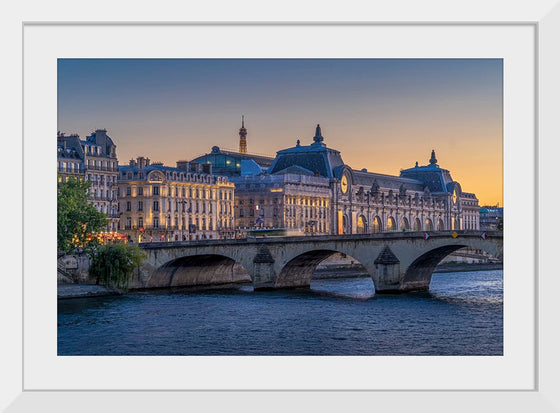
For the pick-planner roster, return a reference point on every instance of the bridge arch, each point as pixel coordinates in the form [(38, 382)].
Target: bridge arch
[(196, 270), (418, 274), (298, 271)]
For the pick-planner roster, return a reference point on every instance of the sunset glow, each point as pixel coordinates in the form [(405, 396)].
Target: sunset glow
[(381, 114)]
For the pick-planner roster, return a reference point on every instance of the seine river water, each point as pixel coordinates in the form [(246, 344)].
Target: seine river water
[(461, 315)]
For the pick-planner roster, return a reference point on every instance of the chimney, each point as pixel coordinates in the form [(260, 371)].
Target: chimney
[(101, 140), (142, 162)]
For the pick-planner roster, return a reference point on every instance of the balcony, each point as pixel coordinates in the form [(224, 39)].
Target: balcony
[(71, 170), (102, 168), (103, 198)]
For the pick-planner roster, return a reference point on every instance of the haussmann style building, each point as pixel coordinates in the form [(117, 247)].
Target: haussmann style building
[(94, 160), (161, 203)]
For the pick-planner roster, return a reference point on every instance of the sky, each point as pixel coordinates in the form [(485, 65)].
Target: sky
[(381, 114)]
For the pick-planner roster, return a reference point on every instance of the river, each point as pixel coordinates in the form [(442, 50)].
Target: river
[(462, 314)]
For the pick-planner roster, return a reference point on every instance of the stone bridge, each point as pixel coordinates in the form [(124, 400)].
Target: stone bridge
[(397, 262)]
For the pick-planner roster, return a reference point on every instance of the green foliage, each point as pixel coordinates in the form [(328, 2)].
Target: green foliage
[(113, 265), (500, 225), (76, 218)]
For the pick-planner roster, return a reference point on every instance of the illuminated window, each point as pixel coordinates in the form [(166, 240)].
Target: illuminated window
[(361, 226), (429, 226), (404, 225), (391, 224)]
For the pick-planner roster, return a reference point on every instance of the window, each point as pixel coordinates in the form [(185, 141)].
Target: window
[(140, 222), (140, 191), (128, 191), (140, 205), (155, 190), (128, 208), (128, 223), (156, 206), (156, 222)]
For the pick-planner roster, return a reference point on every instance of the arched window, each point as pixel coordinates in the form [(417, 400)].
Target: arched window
[(440, 226), (361, 225), (345, 225), (417, 225), (429, 225), (377, 228), (404, 225), (391, 224)]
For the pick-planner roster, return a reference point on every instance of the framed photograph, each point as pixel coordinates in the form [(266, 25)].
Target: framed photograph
[(517, 378)]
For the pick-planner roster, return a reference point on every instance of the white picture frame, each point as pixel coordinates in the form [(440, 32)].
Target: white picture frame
[(545, 19)]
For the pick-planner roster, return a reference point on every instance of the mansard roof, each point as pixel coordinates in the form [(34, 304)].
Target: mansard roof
[(316, 157), (295, 169), (69, 147), (435, 178), (367, 179), (261, 160)]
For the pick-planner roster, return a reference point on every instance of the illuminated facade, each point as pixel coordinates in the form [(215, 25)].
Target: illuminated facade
[(291, 200), (309, 189), (161, 203), (95, 160)]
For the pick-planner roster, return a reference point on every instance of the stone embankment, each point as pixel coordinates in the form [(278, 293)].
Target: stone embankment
[(463, 266), (84, 290), (356, 270)]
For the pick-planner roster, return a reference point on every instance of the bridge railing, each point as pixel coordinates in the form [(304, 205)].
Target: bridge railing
[(319, 238)]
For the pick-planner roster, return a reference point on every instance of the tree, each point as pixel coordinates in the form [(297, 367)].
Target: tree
[(113, 265), (500, 224), (77, 220)]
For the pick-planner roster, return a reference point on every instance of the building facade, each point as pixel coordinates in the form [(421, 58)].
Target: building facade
[(309, 189), (161, 203), (296, 202), (491, 217), (94, 160)]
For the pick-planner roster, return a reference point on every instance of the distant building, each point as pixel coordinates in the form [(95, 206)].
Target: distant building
[(309, 189), (94, 160), (491, 217), (162, 203), (228, 163)]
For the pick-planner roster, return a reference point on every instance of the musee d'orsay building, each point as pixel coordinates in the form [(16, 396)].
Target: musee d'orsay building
[(309, 189)]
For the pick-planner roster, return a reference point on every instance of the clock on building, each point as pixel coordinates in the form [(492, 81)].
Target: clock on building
[(344, 184)]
